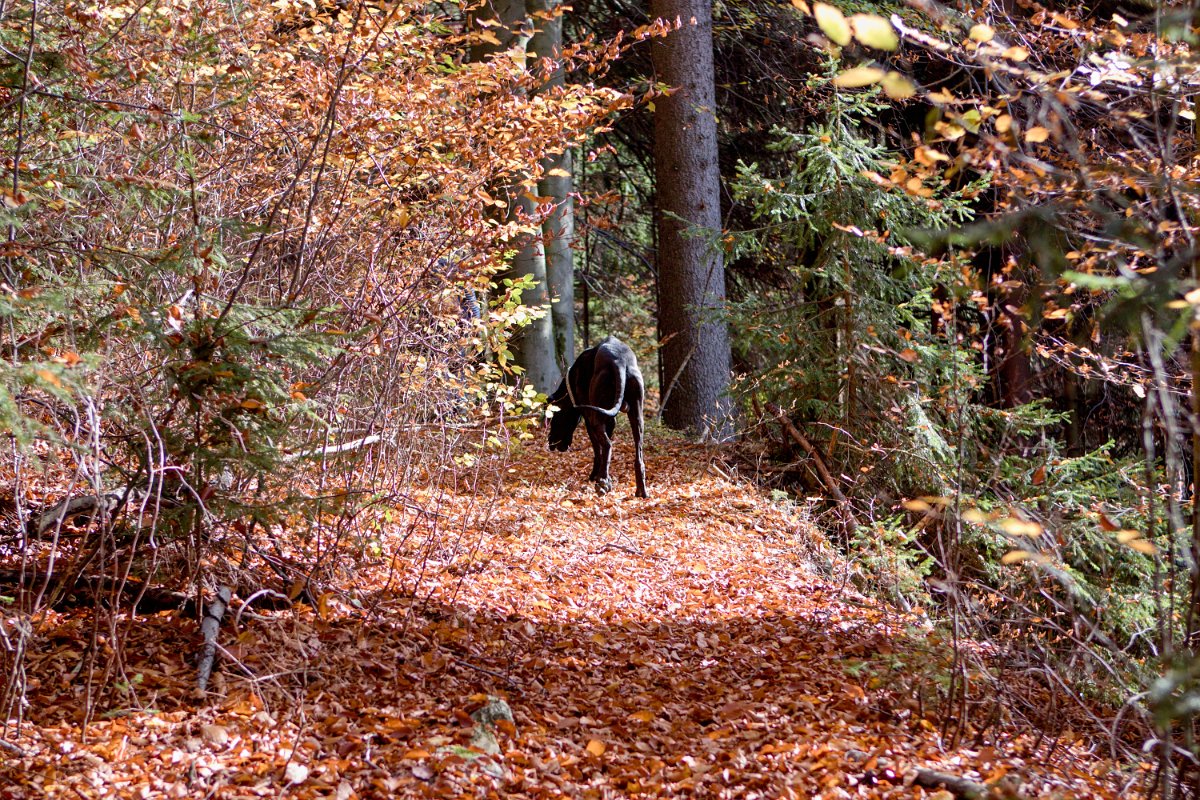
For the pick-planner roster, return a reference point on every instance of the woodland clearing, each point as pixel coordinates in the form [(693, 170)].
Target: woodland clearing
[(704, 642)]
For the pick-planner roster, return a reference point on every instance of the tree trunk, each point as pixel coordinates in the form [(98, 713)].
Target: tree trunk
[(691, 285), (558, 229), (533, 345)]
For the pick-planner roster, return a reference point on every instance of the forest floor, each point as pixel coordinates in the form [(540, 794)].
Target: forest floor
[(703, 642)]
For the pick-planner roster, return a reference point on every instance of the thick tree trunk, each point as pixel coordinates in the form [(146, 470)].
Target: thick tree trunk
[(533, 345), (557, 182), (691, 286)]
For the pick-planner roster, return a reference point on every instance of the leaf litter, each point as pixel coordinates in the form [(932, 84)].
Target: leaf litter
[(534, 639)]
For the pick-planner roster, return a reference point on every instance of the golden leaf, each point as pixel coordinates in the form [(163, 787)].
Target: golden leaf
[(858, 77), (1037, 134), (1015, 556), (975, 515), (982, 33), (1015, 526)]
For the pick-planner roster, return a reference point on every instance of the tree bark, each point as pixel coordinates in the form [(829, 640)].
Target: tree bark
[(691, 286), (558, 229), (533, 345)]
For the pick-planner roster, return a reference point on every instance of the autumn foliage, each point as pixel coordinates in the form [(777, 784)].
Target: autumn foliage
[(258, 326), (241, 241)]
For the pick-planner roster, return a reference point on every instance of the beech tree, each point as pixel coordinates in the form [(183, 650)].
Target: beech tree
[(557, 184), (511, 31), (691, 271)]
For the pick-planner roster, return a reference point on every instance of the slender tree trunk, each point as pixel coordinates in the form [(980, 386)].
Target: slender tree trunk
[(533, 345), (557, 182), (691, 286)]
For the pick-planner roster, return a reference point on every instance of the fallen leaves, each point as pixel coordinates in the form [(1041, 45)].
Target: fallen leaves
[(681, 645)]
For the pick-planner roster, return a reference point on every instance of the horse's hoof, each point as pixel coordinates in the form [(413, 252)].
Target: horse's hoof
[(604, 486)]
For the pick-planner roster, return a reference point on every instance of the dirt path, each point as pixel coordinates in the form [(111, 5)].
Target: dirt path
[(691, 644)]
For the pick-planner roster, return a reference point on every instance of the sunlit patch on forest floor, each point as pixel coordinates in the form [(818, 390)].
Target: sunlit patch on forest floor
[(702, 642)]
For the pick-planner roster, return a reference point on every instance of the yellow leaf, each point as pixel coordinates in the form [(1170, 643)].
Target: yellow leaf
[(832, 22), (916, 505), (10, 200), (596, 747), (1037, 134), (49, 377), (941, 97), (1015, 526), (1127, 536), (1015, 556), (982, 33), (413, 755), (928, 156), (897, 87), (252, 404), (858, 77), (875, 31), (975, 515), (1016, 53), (801, 6), (642, 716), (558, 172), (1144, 547), (1003, 123)]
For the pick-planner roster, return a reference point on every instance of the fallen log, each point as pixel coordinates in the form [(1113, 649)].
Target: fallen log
[(334, 449), (12, 748), (90, 505), (961, 788)]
